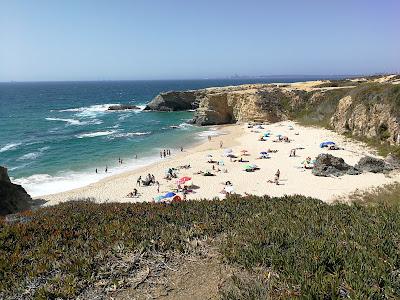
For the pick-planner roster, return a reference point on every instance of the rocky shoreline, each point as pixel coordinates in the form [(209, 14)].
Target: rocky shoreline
[(362, 107)]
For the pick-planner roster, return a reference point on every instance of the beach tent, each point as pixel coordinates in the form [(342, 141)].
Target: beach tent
[(326, 144)]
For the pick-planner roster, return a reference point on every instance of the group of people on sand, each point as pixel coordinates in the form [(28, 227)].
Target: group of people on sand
[(166, 152), (149, 180)]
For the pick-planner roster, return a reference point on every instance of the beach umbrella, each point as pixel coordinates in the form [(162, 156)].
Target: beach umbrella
[(209, 155), (325, 144), (228, 151), (184, 179), (248, 167), (169, 195), (264, 153)]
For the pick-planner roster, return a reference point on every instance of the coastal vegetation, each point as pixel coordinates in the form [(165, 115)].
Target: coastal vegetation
[(288, 247)]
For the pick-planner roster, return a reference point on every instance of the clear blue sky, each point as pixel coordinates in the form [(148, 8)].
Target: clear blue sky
[(168, 39)]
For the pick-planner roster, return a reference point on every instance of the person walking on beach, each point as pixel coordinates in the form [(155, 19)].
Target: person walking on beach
[(135, 156), (96, 170), (164, 153), (220, 144), (106, 169), (138, 180), (209, 138), (277, 175), (160, 153), (181, 149), (158, 186), (135, 192)]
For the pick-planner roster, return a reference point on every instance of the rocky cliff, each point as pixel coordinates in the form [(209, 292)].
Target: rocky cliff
[(13, 197), (367, 107)]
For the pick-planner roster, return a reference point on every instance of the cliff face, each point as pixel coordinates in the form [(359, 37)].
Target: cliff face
[(13, 197), (372, 114), (368, 108)]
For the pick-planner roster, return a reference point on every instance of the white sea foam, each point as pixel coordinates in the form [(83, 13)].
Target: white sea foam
[(33, 155), (130, 134), (95, 134), (76, 122), (10, 146), (45, 184), (90, 111)]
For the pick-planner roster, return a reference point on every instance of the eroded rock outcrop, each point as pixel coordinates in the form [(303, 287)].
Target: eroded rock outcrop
[(13, 197), (175, 101), (371, 111), (327, 165), (372, 164)]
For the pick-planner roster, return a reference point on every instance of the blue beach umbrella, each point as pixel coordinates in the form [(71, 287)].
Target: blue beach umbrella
[(326, 144), (169, 195)]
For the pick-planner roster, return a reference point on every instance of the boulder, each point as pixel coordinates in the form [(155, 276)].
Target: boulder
[(123, 107), (392, 161), (13, 197), (372, 164), (328, 165)]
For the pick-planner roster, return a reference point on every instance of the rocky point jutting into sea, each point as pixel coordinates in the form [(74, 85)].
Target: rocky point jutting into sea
[(364, 107)]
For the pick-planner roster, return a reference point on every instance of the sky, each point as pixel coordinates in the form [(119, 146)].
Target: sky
[(172, 39)]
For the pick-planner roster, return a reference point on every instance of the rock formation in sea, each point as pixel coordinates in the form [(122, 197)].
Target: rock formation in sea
[(13, 197), (123, 107)]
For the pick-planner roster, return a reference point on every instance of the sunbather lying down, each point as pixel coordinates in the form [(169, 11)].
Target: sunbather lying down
[(208, 173), (334, 147), (132, 195)]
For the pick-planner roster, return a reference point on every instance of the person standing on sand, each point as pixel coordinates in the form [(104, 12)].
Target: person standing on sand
[(160, 153), (164, 153), (158, 186), (135, 156), (209, 138), (138, 180), (96, 170), (220, 144), (181, 149), (106, 169), (277, 175)]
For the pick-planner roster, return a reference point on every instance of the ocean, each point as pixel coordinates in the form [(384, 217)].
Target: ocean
[(53, 135)]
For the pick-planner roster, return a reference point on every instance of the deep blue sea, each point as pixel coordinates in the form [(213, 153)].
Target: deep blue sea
[(53, 135)]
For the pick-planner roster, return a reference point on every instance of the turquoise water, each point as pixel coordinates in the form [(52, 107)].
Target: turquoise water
[(54, 134)]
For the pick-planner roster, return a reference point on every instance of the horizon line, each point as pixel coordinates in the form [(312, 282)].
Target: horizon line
[(232, 77)]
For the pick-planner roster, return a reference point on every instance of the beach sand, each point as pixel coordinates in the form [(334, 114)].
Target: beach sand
[(293, 178)]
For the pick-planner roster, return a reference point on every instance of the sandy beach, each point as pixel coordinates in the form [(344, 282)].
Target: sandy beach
[(293, 179)]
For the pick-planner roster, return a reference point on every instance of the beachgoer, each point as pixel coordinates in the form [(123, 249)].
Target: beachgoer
[(135, 156), (277, 175), (96, 170), (181, 149), (135, 192), (106, 169), (209, 138), (158, 186), (220, 144), (161, 154), (138, 180), (164, 153)]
